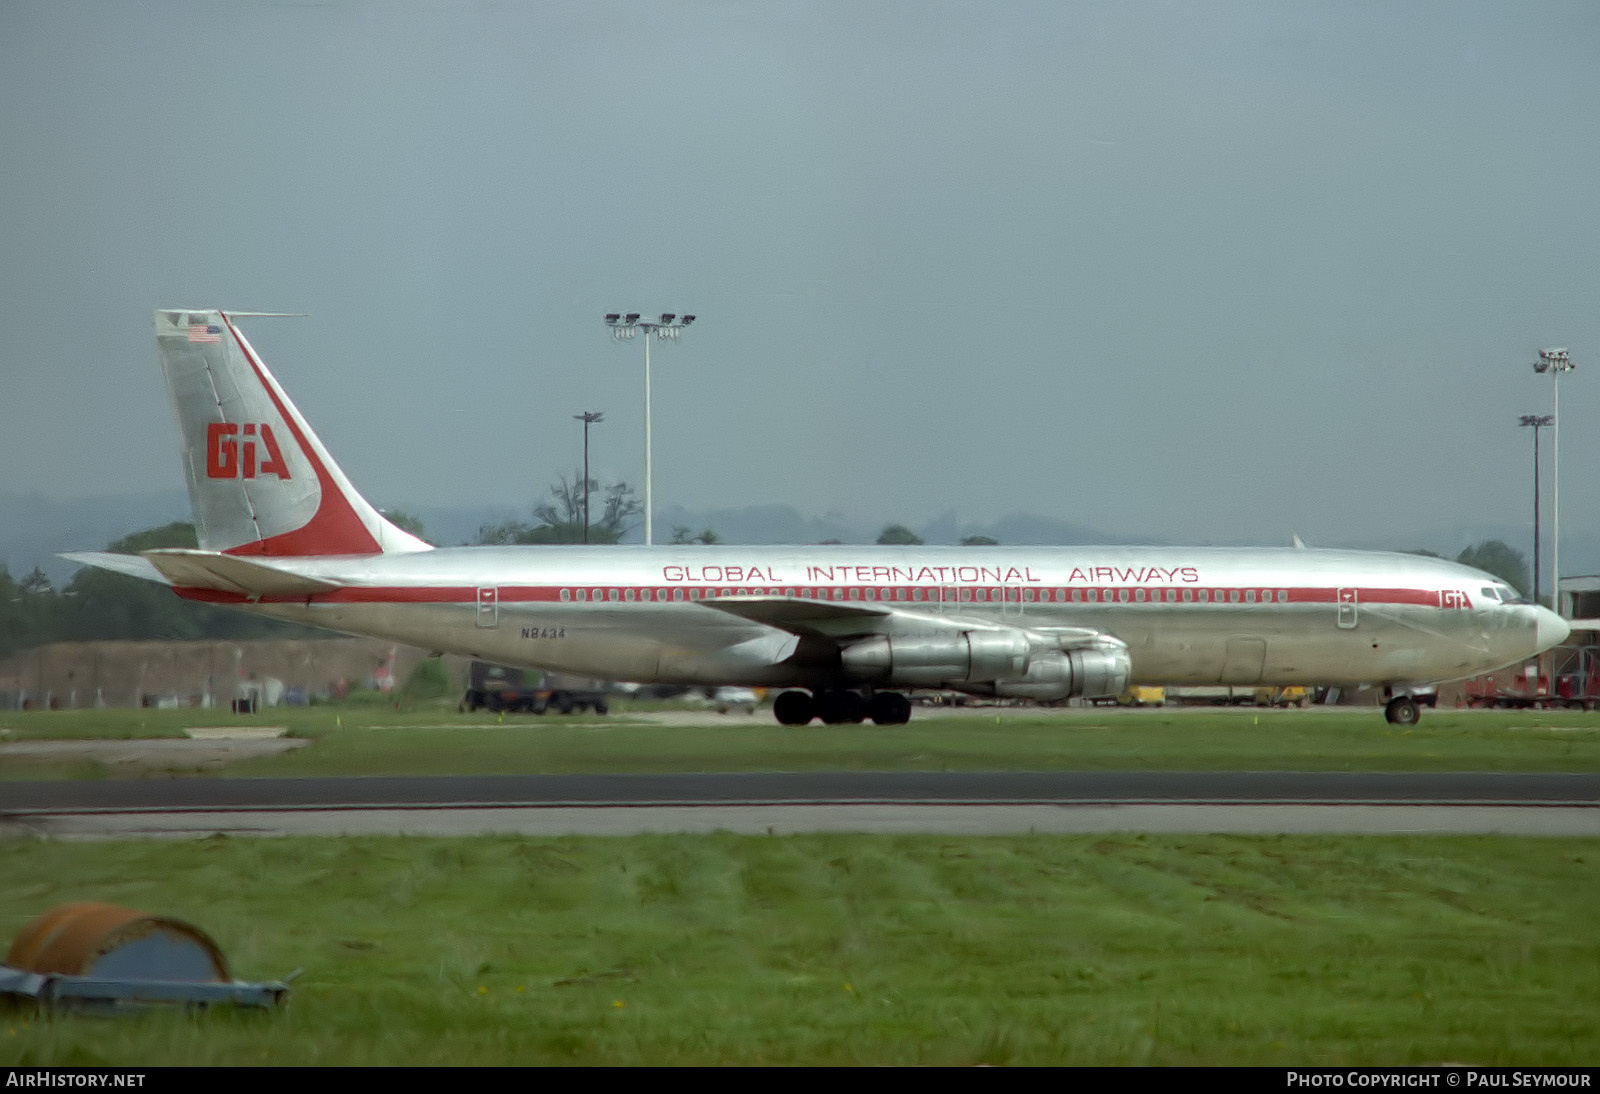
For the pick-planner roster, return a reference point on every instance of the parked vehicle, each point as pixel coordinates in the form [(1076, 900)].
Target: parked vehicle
[(730, 699), (1142, 695), (498, 688), (1293, 696)]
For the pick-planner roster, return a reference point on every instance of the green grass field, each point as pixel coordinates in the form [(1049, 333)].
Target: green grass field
[(863, 949), (381, 741), (852, 949)]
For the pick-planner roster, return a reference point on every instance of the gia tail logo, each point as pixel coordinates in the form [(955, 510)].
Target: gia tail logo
[(234, 451)]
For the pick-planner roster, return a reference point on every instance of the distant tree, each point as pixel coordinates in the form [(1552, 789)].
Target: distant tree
[(429, 680), (1503, 561), (407, 522), (898, 535), (24, 618), (979, 541), (560, 520), (682, 535), (36, 583), (98, 604)]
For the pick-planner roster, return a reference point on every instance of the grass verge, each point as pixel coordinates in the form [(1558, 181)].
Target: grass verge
[(380, 741), (853, 949)]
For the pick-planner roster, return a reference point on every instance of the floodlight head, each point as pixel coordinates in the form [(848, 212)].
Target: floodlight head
[(612, 317), (667, 317), (686, 320), (1555, 358), (632, 318)]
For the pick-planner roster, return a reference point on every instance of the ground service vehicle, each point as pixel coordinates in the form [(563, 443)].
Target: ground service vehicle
[(500, 688)]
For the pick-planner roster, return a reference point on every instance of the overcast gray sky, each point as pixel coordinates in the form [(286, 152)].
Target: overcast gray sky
[(1193, 271)]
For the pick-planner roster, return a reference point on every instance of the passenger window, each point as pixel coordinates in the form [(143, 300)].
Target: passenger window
[(1188, 596), (1138, 594), (1250, 596), (566, 594)]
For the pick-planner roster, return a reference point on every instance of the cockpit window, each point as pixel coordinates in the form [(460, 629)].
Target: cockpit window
[(1508, 595), (1489, 593)]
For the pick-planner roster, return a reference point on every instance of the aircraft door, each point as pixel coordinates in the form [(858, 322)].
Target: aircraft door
[(1348, 608), (488, 607)]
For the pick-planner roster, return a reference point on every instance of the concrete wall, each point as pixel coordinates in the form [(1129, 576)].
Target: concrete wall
[(70, 675)]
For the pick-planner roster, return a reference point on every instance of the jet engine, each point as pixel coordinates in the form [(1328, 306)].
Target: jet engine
[(945, 659), (1009, 663), (1092, 672)]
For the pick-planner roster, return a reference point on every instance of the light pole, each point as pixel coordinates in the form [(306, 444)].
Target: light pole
[(669, 326), (588, 418), (1537, 421), (1555, 362)]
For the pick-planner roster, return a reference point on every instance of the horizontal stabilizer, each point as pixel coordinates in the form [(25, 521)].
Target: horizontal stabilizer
[(131, 565), (190, 569)]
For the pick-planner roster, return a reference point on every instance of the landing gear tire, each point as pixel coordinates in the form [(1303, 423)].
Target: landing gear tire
[(1402, 711), (889, 708), (794, 708), (837, 708)]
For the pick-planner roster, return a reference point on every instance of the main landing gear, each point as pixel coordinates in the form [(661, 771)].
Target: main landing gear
[(1403, 710), (842, 707)]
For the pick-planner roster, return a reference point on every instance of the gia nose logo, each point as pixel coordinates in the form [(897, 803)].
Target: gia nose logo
[(235, 451)]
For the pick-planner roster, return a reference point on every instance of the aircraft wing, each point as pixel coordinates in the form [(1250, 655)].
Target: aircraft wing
[(192, 569), (844, 620), (806, 618)]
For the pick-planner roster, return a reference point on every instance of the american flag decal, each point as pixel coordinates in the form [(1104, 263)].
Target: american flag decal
[(205, 332)]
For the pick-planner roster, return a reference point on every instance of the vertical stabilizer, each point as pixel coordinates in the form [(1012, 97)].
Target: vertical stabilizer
[(259, 479)]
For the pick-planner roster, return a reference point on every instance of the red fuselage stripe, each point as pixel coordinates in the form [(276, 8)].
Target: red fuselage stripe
[(1059, 596)]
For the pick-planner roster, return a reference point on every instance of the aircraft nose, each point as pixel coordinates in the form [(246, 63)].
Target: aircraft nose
[(1549, 628)]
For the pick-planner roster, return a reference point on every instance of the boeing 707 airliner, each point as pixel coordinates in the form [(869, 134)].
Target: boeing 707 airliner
[(845, 631)]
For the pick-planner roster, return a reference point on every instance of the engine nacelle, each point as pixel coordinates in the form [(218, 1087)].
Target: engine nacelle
[(968, 657), (1095, 673)]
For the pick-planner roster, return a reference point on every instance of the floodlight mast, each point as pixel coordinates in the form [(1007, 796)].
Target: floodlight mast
[(588, 418), (668, 327), (1555, 362), (1538, 422)]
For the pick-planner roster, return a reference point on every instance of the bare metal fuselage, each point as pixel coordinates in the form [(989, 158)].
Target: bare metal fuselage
[(1187, 615)]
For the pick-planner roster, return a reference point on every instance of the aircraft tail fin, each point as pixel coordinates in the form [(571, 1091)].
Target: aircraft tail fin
[(260, 481)]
